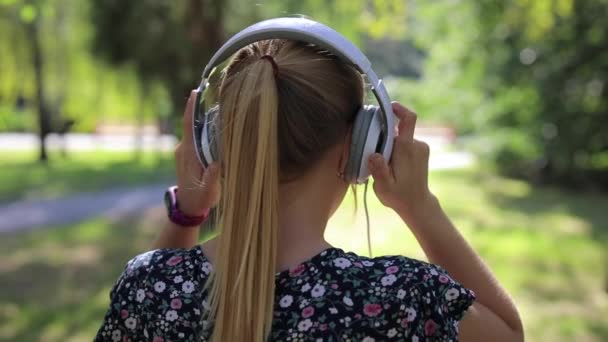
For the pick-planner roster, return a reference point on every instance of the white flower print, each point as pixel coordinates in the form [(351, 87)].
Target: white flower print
[(171, 315), (286, 301), (188, 286), (116, 335), (206, 267), (317, 291), (305, 325), (159, 286), (140, 296), (130, 323), (342, 263), (411, 314), (325, 288), (388, 280), (452, 294), (415, 338), (401, 294)]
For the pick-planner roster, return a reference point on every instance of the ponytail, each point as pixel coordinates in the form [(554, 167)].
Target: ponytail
[(242, 285)]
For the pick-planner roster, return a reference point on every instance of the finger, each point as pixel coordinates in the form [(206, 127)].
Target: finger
[(407, 122), (187, 119), (379, 169), (423, 149), (211, 175)]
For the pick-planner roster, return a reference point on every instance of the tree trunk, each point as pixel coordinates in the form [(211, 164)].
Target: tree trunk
[(43, 115), (139, 131)]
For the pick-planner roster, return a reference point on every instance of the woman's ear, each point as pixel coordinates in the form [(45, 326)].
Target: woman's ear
[(345, 152)]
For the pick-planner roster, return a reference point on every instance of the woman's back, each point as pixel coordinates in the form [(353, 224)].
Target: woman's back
[(334, 296)]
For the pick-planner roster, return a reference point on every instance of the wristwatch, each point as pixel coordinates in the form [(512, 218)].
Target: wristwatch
[(177, 216)]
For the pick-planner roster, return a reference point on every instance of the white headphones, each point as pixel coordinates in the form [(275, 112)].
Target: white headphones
[(373, 128)]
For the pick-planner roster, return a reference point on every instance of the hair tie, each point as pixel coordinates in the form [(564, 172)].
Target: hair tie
[(275, 67)]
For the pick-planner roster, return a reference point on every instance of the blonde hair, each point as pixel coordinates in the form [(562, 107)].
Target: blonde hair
[(274, 125)]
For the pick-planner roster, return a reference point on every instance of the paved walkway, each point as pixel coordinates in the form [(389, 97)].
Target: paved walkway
[(36, 214), (87, 142)]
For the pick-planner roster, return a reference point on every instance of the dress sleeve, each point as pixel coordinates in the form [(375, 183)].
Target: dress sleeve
[(121, 321), (444, 303)]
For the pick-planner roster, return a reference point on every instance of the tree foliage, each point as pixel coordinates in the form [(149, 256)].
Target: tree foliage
[(526, 78), (548, 68), (171, 41)]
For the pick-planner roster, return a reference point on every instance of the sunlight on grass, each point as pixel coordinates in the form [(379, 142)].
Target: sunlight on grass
[(546, 246)]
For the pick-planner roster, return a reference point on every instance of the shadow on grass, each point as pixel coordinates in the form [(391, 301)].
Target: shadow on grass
[(56, 283), (26, 178)]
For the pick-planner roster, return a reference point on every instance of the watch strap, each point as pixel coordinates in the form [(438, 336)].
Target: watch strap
[(177, 216)]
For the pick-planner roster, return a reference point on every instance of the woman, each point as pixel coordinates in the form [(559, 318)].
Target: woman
[(287, 110)]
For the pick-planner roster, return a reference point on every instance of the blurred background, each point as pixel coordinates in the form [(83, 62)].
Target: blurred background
[(511, 96)]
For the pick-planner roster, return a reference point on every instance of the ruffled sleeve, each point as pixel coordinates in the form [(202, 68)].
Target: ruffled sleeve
[(122, 321), (444, 303)]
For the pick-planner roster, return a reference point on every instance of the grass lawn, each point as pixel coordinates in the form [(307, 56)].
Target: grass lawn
[(548, 248), (24, 177)]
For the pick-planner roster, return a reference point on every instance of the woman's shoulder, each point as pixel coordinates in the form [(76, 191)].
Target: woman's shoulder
[(424, 296), (169, 263), (388, 297), (157, 290), (394, 269)]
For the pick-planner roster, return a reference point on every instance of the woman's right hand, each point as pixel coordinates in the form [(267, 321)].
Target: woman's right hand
[(402, 183)]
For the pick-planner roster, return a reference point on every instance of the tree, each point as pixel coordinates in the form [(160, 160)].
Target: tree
[(165, 41), (171, 41), (27, 16), (548, 71)]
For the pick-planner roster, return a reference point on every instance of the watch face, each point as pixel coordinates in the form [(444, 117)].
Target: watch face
[(169, 199)]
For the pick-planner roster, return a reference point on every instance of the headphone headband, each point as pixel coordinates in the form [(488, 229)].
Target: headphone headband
[(301, 29)]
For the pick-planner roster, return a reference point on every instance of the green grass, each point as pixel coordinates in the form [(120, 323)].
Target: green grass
[(546, 246), (24, 177)]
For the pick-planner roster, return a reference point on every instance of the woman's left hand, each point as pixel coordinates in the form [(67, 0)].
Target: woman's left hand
[(198, 188)]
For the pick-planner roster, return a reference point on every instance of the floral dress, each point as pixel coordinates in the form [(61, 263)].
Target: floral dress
[(334, 296)]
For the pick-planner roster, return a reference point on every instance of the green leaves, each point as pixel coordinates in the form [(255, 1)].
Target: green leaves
[(28, 13)]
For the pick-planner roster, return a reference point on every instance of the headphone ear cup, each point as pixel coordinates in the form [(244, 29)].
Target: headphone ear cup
[(209, 136), (365, 138)]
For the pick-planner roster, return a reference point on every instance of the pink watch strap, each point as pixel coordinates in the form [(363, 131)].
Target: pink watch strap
[(177, 216)]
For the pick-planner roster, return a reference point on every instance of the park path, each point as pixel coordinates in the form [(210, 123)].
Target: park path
[(113, 203)]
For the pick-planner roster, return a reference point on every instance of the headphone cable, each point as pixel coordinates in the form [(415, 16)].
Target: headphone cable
[(369, 243)]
